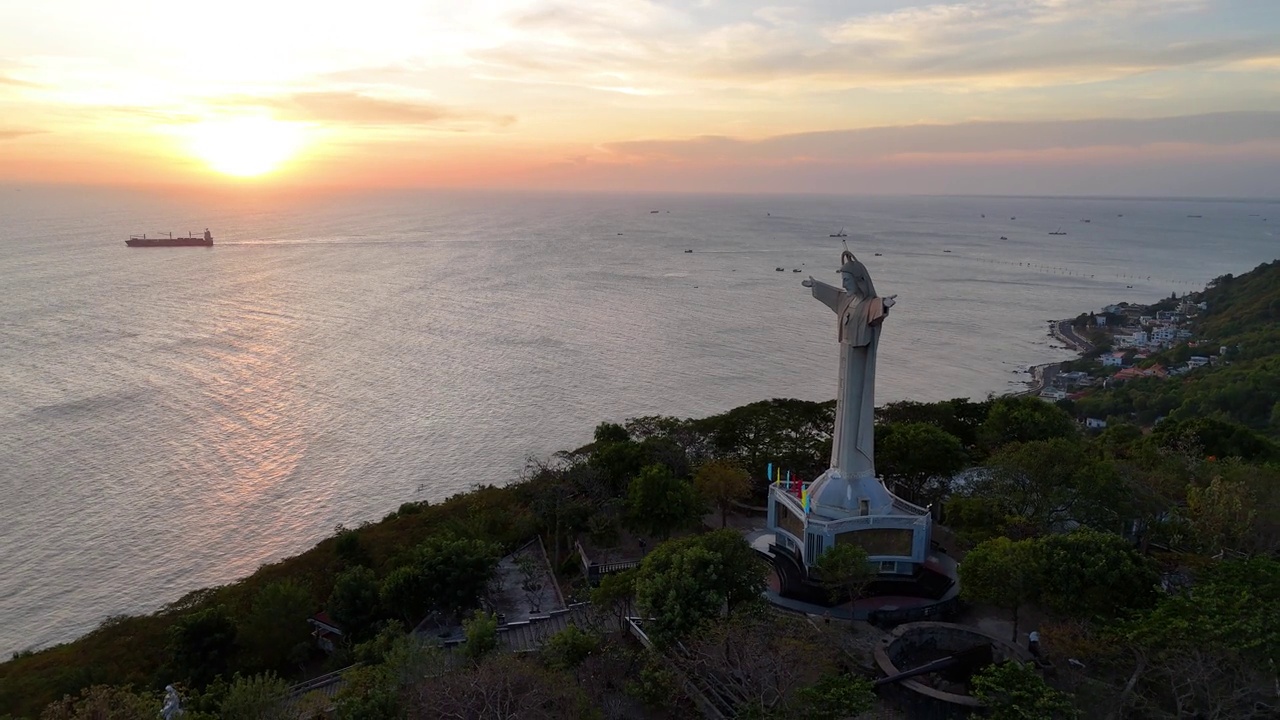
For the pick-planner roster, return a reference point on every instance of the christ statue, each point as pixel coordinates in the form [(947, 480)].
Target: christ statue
[(859, 313)]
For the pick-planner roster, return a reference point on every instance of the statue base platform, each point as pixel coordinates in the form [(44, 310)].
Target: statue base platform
[(931, 593)]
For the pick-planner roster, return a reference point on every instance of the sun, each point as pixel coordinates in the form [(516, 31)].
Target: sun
[(246, 147)]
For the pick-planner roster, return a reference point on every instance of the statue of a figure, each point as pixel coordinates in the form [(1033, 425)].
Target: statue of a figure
[(859, 313), (172, 707)]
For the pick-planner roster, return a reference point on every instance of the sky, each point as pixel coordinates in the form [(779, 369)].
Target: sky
[(1085, 97)]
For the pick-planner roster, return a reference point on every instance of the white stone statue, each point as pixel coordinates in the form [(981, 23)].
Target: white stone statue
[(172, 707), (859, 313)]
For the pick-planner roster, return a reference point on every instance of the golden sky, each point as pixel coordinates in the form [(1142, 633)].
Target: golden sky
[(852, 96)]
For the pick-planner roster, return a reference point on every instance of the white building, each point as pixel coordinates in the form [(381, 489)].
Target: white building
[(1136, 339), (1095, 423), (1164, 334), (1196, 361), (1115, 359), (1101, 320), (1053, 395)]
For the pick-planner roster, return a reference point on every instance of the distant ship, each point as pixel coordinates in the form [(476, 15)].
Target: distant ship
[(170, 241), (1058, 232), (842, 233)]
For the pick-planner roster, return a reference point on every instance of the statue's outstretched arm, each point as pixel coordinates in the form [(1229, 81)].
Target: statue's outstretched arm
[(828, 294)]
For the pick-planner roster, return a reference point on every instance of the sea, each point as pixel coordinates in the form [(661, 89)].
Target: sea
[(174, 418)]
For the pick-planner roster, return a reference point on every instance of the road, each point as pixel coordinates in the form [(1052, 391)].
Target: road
[(1067, 334)]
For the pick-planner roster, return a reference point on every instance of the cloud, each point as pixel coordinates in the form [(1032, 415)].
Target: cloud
[(1004, 44), (1217, 129), (948, 22), (356, 109), (6, 80), (13, 133)]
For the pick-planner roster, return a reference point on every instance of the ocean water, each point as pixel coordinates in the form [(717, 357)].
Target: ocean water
[(174, 418)]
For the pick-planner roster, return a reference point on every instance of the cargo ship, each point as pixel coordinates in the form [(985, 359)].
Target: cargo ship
[(168, 240)]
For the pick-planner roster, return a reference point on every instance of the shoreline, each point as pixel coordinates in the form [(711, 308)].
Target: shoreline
[(1042, 374)]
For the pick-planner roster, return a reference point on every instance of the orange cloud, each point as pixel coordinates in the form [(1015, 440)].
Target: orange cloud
[(357, 109)]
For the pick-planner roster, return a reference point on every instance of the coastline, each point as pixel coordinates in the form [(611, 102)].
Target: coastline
[(1042, 375)]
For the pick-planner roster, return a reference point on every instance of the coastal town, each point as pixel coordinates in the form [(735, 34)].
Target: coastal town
[(1123, 342)]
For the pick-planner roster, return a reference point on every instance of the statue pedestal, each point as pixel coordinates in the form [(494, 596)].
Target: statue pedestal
[(895, 533)]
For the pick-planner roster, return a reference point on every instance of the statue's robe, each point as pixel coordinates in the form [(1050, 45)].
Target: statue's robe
[(858, 321)]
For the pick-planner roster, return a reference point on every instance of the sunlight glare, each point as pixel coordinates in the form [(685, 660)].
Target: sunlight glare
[(246, 147)]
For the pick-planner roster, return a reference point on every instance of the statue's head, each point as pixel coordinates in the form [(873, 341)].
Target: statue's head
[(854, 276)]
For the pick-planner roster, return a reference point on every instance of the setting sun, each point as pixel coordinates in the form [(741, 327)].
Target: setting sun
[(245, 147)]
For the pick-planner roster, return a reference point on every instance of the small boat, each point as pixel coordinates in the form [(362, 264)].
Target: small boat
[(688, 251), (1058, 232), (879, 254), (170, 241), (1086, 221), (795, 270), (778, 269), (946, 251), (1013, 218), (651, 212), (1002, 237), (1129, 286), (842, 233), (984, 214), (1195, 216)]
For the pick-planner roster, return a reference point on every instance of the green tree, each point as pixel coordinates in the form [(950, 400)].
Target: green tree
[(1216, 438), (1014, 691), (404, 592), (201, 644), (1002, 572), (102, 702), (607, 432), (659, 503), (375, 690), (1230, 606), (276, 625), (1051, 484), (744, 573), (1089, 574), (721, 484), (256, 698), (1024, 419), (684, 583), (1238, 509), (455, 571), (844, 570), (349, 549), (482, 635), (568, 648), (368, 693), (919, 459), (835, 697), (679, 590), (374, 650), (354, 603)]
